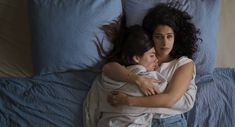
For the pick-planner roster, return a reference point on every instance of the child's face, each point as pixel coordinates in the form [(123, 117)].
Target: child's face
[(148, 60)]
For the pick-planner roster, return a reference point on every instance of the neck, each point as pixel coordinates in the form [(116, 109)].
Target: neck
[(164, 59)]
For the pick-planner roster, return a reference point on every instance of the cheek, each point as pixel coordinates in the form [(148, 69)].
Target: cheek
[(150, 61), (171, 42), (146, 62), (157, 45), (157, 49)]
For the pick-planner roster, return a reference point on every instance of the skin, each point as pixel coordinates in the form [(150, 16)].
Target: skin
[(164, 40), (148, 60), (119, 73)]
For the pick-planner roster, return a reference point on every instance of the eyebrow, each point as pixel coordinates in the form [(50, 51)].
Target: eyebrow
[(156, 34)]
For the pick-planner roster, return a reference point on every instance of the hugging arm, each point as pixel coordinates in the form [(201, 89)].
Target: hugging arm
[(176, 89), (118, 72), (186, 102)]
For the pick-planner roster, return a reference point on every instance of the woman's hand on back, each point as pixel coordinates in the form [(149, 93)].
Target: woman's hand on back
[(118, 98)]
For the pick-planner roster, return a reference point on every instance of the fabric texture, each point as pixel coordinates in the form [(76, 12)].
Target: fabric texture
[(56, 100), (215, 102), (96, 104), (64, 32), (205, 16), (53, 100), (174, 121), (133, 90)]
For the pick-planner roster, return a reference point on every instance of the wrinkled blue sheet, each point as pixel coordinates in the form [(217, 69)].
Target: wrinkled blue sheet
[(56, 100), (53, 100), (215, 101)]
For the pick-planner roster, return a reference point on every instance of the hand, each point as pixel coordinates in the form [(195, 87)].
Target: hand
[(146, 85), (117, 98)]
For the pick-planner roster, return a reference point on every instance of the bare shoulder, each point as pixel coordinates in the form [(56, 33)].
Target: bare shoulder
[(189, 65), (187, 71)]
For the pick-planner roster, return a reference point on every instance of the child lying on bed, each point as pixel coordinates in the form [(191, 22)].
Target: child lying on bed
[(137, 53)]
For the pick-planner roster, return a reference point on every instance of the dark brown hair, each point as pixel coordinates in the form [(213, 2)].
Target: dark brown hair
[(127, 42), (135, 43)]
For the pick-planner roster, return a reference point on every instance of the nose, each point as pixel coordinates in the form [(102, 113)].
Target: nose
[(164, 40)]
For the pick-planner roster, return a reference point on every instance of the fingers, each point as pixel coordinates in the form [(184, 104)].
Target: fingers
[(150, 92), (157, 91), (147, 93), (112, 100)]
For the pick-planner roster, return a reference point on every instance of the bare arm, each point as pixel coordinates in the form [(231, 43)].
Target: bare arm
[(187, 101), (118, 72), (176, 89)]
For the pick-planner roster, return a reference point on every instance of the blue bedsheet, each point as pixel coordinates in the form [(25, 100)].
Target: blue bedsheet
[(215, 103), (46, 101), (55, 100)]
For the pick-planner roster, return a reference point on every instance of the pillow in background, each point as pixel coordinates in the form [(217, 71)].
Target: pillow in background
[(64, 31), (205, 16)]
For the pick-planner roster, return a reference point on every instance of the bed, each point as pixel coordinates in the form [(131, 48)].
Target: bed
[(53, 52)]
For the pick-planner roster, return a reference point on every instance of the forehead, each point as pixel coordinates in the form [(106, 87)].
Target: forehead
[(150, 51), (163, 29)]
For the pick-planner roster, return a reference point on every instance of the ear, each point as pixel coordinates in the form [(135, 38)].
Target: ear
[(136, 59)]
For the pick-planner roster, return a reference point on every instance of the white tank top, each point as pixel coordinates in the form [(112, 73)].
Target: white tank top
[(167, 70)]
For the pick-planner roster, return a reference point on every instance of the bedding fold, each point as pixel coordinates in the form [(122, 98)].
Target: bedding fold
[(51, 100)]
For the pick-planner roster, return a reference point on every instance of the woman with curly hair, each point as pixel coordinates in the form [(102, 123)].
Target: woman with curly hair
[(175, 38)]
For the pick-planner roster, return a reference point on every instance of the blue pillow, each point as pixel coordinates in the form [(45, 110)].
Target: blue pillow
[(64, 32), (205, 16)]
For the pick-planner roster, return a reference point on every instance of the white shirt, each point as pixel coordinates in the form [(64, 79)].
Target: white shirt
[(187, 101)]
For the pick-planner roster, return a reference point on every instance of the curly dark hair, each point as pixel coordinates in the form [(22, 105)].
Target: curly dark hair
[(170, 14)]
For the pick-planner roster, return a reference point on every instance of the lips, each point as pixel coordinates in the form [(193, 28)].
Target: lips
[(164, 48)]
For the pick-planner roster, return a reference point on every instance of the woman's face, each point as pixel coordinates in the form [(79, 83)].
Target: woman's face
[(163, 38), (148, 60)]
